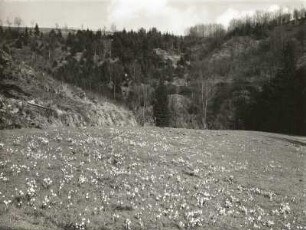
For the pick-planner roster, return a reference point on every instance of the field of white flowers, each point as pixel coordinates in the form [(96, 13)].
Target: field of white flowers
[(151, 178)]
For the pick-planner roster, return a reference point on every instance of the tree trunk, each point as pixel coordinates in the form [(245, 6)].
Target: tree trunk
[(144, 105), (205, 113), (114, 86), (204, 102)]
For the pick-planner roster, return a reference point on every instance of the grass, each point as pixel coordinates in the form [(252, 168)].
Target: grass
[(151, 178)]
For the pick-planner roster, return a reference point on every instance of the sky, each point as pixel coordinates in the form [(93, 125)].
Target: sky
[(173, 16)]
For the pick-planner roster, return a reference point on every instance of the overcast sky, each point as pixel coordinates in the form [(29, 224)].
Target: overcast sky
[(166, 15)]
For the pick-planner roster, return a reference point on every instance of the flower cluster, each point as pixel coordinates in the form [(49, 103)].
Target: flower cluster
[(47, 182), (3, 178), (31, 187)]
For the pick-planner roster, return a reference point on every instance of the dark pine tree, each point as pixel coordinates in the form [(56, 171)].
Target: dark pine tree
[(301, 101), (278, 107), (36, 30), (26, 36), (160, 106)]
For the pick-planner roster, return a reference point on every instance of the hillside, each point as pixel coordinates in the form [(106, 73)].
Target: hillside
[(32, 98), (151, 178), (239, 68), (215, 78)]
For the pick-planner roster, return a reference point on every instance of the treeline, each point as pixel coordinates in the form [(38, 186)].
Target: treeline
[(206, 30), (258, 24), (262, 22), (131, 45)]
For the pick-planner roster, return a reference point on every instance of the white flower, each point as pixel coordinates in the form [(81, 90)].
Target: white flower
[(206, 194), (288, 226), (7, 202), (115, 217), (43, 140), (82, 179), (181, 224), (128, 224), (46, 202), (256, 226), (228, 204), (270, 223), (3, 178), (47, 182), (285, 208), (222, 211)]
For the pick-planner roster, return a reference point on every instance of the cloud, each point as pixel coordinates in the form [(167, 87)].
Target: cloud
[(230, 13), (122, 10), (274, 8), (167, 15), (134, 14), (177, 15)]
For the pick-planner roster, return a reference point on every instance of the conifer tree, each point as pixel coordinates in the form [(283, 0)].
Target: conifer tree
[(160, 106), (36, 30)]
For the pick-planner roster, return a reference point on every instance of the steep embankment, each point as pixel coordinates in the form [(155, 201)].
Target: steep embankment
[(135, 178), (31, 98)]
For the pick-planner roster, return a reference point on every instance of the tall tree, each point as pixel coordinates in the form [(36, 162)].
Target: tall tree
[(1, 28), (36, 30), (160, 106), (8, 22)]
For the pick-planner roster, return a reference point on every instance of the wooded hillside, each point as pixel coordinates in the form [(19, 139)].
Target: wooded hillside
[(249, 76)]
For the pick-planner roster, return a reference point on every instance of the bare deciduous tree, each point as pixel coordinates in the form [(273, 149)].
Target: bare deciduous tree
[(113, 28), (17, 21), (206, 30), (205, 86), (32, 23), (8, 22)]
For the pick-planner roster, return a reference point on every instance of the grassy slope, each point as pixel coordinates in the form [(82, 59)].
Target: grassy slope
[(62, 104), (150, 178)]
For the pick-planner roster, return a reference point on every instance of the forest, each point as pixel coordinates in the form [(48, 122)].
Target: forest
[(249, 76)]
